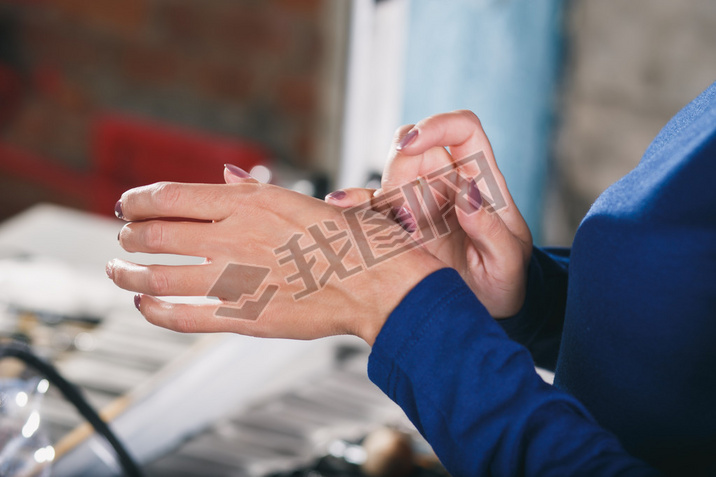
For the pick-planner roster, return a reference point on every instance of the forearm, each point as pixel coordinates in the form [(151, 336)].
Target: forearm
[(475, 396)]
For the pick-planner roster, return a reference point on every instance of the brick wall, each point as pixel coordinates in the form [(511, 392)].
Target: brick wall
[(237, 68)]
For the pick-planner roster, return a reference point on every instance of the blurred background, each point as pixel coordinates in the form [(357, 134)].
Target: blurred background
[(103, 95)]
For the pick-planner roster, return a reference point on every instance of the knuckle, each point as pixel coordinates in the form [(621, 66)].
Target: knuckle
[(166, 196), (184, 323), (493, 226), (470, 116), (158, 283), (154, 236)]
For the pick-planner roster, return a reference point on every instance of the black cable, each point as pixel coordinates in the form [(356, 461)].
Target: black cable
[(73, 394)]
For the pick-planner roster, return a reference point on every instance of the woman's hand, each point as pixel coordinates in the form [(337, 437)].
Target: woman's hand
[(267, 259), (488, 242)]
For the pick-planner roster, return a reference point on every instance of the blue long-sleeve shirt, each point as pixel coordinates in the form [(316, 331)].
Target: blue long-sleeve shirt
[(628, 318)]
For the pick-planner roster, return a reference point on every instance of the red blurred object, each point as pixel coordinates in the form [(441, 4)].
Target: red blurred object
[(129, 152), (11, 93)]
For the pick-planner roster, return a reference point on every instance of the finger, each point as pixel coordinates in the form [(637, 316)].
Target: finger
[(400, 168), (164, 280), (486, 230), (182, 317), (393, 208), (164, 236), (423, 154), (235, 175), (418, 149), (174, 199), (350, 197), (459, 130), (402, 172), (190, 318)]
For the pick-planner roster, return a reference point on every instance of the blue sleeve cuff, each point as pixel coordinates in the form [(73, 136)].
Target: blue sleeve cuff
[(439, 305), (407, 321), (538, 325)]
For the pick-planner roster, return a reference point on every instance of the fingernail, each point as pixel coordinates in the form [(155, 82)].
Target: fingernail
[(109, 270), (405, 219), (337, 195), (474, 196), (237, 171), (137, 301), (118, 209), (407, 139)]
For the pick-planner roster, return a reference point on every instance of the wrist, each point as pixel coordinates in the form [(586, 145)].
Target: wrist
[(387, 285)]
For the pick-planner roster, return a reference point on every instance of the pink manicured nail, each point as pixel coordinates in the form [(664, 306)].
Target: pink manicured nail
[(407, 139), (137, 301), (118, 209), (473, 193), (237, 171), (109, 270), (405, 219), (337, 195)]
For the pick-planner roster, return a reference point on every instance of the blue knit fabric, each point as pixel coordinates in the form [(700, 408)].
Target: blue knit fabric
[(628, 317)]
